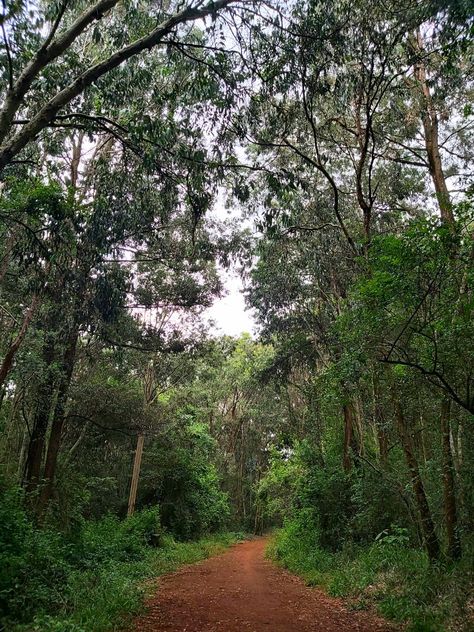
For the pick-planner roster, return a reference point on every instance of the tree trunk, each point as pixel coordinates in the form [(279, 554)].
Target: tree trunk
[(380, 422), (77, 442), (450, 509), (58, 423), (15, 345), (135, 475), (10, 425), (34, 457), (45, 395), (358, 444), (350, 440), (383, 445), (427, 525), (9, 245), (429, 117), (21, 457)]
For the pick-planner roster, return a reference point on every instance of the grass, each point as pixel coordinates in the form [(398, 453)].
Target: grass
[(92, 578), (395, 580), (111, 592), (108, 599)]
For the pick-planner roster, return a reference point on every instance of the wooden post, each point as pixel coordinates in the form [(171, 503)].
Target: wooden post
[(149, 395), (135, 476)]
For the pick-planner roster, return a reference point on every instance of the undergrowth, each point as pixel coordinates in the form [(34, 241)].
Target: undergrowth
[(387, 575), (92, 580)]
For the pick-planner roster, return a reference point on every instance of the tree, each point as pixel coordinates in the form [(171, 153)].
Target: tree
[(360, 121), (67, 29)]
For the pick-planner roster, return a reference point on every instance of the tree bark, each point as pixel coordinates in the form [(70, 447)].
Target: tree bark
[(34, 456), (77, 442), (21, 457), (11, 147), (350, 440), (427, 525), (7, 363), (430, 120), (57, 425), (9, 245), (450, 507), (49, 51), (380, 421), (382, 436), (44, 401), (135, 475)]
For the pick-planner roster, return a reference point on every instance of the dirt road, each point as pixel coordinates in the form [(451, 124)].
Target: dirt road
[(240, 591)]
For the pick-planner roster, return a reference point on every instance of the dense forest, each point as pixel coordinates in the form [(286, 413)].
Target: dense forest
[(323, 151)]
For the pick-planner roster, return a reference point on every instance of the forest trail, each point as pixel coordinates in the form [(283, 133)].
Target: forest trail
[(241, 591)]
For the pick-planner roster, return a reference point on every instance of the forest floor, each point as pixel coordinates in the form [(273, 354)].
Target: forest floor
[(241, 591)]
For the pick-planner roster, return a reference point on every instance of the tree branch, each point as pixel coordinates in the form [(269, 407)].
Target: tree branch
[(7, 48), (44, 56), (57, 22), (443, 383), (49, 111)]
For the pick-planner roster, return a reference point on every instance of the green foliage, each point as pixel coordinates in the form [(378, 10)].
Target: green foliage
[(276, 491), (386, 574), (338, 506), (113, 539), (90, 579), (331, 423), (179, 472), (296, 546), (33, 561), (408, 310)]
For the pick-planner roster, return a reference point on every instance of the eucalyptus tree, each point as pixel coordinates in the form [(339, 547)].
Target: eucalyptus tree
[(140, 105), (363, 123), (169, 271), (54, 52), (130, 149), (364, 110), (243, 413)]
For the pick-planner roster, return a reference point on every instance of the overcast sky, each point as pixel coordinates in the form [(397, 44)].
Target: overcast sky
[(229, 312)]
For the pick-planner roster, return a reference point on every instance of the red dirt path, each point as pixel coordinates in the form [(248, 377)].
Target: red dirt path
[(240, 591)]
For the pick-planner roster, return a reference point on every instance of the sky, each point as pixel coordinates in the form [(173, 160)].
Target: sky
[(229, 312)]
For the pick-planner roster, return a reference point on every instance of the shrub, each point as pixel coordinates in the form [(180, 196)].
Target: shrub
[(120, 540), (389, 574), (91, 579), (34, 563)]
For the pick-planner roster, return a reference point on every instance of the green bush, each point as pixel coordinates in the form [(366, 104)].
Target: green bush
[(296, 547), (321, 496), (187, 484), (120, 540), (89, 580), (388, 574), (342, 507), (34, 563)]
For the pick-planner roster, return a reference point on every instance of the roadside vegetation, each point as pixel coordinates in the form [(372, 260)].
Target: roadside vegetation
[(93, 578), (388, 576)]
